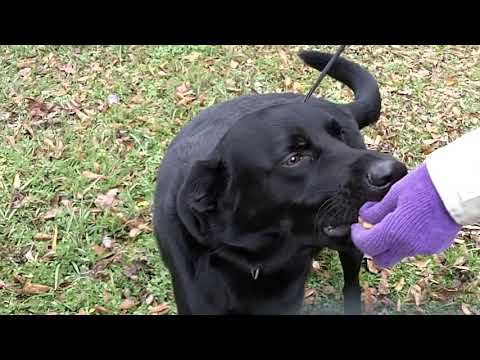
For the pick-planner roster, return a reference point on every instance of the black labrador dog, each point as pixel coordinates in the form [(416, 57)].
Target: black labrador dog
[(252, 188)]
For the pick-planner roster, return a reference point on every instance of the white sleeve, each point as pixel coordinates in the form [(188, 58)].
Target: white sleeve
[(455, 172)]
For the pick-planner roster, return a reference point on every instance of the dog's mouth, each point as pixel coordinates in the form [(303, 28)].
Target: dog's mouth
[(336, 231)]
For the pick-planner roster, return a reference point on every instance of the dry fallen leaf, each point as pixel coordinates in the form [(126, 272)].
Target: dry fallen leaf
[(2, 285), (107, 200), (451, 81), (25, 72), (309, 292), (107, 242), (99, 250), (284, 58), (416, 292), (150, 299), (399, 285), (421, 264), (50, 214), (372, 267), (466, 309), (29, 255), (127, 304), (113, 99), (81, 115), (4, 115), (460, 261), (369, 298), (16, 182), (288, 83), (68, 69), (42, 237), (33, 289), (92, 176), (183, 90), (137, 226), (101, 310), (383, 285), (159, 309)]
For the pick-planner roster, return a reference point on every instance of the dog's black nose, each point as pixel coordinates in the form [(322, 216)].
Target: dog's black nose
[(383, 173)]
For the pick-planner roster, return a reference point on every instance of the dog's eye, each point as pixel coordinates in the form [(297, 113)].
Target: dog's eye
[(293, 159)]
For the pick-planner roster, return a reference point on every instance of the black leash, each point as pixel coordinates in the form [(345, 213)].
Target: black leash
[(324, 72)]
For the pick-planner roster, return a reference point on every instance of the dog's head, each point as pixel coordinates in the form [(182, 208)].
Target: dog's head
[(297, 163), (301, 167)]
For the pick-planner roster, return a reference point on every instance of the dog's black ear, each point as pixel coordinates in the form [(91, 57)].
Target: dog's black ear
[(199, 195)]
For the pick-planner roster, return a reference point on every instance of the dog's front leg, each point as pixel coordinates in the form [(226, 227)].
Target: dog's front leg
[(351, 263)]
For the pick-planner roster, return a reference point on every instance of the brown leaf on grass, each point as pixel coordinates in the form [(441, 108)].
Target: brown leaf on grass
[(42, 237), (451, 81), (19, 279), (150, 299), (399, 285), (4, 115), (466, 309), (369, 298), (185, 94), (38, 108), (416, 292), (421, 264), (29, 129), (183, 90), (284, 58), (81, 115), (131, 272), (159, 309), (107, 200), (68, 69), (51, 214), (106, 296), (99, 250), (127, 304), (17, 184), (288, 83), (101, 310), (92, 176), (107, 242), (29, 255), (33, 289), (316, 266), (309, 292), (460, 261), (25, 72), (137, 226), (113, 99), (193, 56), (2, 285), (372, 267), (98, 270), (383, 285)]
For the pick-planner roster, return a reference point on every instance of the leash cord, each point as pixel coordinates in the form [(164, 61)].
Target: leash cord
[(324, 72)]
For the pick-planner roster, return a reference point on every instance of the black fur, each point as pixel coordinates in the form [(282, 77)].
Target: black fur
[(236, 225)]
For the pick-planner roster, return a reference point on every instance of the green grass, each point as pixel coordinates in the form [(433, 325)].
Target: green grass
[(54, 126)]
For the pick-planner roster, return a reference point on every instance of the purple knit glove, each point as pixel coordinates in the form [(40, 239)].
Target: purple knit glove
[(410, 220)]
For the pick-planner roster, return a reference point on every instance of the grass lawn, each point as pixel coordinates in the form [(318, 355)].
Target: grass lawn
[(83, 130)]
